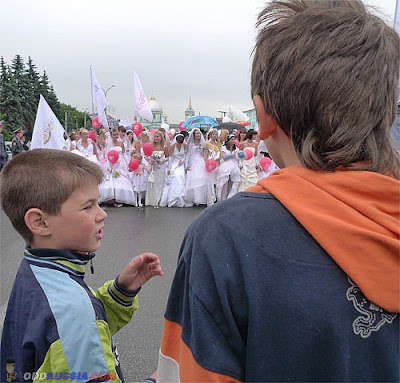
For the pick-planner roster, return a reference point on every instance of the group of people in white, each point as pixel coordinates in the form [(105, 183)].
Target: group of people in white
[(180, 170)]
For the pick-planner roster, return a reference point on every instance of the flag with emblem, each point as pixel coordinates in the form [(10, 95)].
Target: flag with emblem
[(142, 107), (48, 133), (236, 114), (99, 99)]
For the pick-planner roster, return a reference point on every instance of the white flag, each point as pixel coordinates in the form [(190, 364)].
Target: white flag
[(99, 99), (237, 115), (48, 133), (142, 107), (125, 122)]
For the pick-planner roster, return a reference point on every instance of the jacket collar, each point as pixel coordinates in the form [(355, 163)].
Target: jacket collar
[(71, 262)]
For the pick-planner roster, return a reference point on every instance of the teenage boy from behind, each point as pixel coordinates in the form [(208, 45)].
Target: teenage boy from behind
[(55, 324), (301, 283)]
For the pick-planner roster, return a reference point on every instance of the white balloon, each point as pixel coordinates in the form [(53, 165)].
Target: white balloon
[(172, 131), (165, 126), (226, 119)]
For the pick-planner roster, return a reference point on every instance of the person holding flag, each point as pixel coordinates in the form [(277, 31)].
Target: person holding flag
[(3, 151)]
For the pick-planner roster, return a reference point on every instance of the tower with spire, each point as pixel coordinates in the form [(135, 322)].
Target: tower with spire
[(189, 112)]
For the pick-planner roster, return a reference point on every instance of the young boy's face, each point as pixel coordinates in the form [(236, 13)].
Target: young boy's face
[(80, 222)]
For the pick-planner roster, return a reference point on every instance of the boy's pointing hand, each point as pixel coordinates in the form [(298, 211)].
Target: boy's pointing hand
[(139, 270)]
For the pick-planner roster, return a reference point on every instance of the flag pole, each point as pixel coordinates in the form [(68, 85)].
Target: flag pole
[(134, 98), (91, 87)]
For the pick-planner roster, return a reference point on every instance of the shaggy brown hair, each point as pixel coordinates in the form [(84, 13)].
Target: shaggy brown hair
[(43, 179), (328, 73)]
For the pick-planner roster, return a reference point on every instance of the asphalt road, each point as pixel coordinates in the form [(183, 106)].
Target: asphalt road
[(128, 232)]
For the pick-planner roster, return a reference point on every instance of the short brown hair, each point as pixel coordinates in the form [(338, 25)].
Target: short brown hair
[(43, 179), (328, 73)]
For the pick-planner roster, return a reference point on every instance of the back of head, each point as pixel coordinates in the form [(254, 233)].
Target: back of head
[(250, 133), (328, 73), (43, 179)]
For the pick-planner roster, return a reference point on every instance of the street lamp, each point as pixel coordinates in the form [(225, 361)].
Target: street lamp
[(84, 118), (223, 112), (105, 93)]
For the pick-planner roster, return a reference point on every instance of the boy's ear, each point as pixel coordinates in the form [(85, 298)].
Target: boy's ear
[(35, 220), (266, 123)]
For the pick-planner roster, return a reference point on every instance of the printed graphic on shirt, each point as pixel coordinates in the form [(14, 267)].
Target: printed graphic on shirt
[(373, 317)]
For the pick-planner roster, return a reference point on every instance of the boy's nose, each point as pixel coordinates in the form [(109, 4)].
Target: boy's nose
[(102, 214)]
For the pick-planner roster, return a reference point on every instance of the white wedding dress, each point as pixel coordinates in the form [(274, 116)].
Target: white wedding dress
[(174, 190)]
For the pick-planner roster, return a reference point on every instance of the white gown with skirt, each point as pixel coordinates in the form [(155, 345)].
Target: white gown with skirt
[(228, 171), (122, 186), (248, 173), (174, 190), (155, 179), (213, 176), (197, 178)]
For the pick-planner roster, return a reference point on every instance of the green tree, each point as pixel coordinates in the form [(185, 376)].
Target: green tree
[(26, 94), (10, 106), (75, 118), (34, 80), (47, 91), (53, 102)]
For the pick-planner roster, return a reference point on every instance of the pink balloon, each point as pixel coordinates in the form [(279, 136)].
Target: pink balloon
[(113, 156), (211, 165), (148, 148), (96, 123), (92, 135), (249, 154), (133, 164), (137, 128), (265, 163), (181, 123), (237, 143)]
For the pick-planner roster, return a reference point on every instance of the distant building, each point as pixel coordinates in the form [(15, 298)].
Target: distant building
[(251, 113), (158, 116), (189, 112)]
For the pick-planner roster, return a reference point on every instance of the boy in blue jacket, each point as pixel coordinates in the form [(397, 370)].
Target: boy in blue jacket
[(56, 328)]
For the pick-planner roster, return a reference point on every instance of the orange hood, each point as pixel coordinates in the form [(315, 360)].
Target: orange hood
[(354, 216)]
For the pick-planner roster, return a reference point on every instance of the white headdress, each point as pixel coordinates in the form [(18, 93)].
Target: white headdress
[(190, 141)]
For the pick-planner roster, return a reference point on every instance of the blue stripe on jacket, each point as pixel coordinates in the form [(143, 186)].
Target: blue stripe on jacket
[(78, 330)]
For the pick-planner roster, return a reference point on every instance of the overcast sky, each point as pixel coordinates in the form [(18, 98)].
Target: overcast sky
[(177, 47)]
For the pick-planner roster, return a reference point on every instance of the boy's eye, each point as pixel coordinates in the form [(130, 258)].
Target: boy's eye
[(87, 207)]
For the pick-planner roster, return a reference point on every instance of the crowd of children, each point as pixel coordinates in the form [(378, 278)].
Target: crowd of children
[(181, 170)]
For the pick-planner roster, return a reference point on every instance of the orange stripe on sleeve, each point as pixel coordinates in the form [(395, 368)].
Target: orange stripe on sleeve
[(173, 346)]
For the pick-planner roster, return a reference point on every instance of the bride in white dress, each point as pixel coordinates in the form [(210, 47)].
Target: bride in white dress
[(197, 178), (121, 183), (248, 173), (87, 147), (228, 172), (213, 151), (156, 174), (174, 190)]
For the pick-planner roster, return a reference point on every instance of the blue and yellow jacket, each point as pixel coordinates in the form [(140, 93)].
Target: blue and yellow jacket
[(56, 328)]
